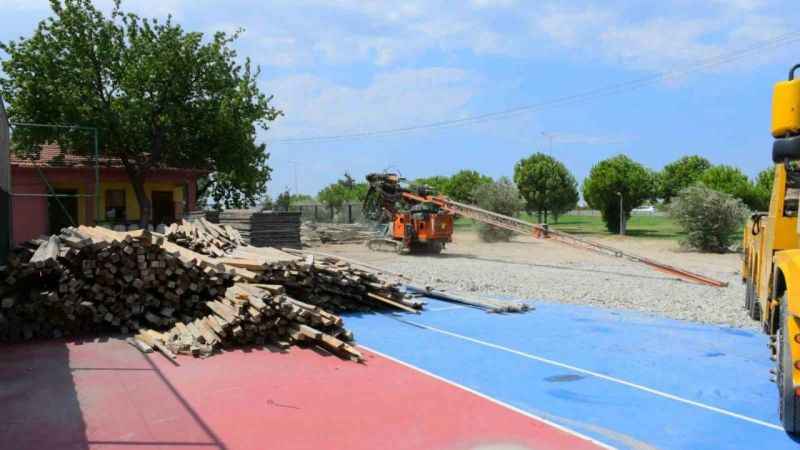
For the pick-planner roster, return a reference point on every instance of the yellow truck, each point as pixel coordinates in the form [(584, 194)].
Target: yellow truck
[(771, 264)]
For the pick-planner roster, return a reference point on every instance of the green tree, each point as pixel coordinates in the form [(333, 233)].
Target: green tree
[(762, 190), (732, 181), (344, 190), (546, 185), (159, 96), (462, 185), (679, 175), (711, 219), (438, 183), (613, 178), (502, 197), (284, 201), (300, 198)]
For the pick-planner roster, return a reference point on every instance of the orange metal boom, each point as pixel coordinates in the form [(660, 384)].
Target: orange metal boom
[(540, 231)]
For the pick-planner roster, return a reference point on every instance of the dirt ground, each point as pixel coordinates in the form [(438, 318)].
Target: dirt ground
[(541, 270)]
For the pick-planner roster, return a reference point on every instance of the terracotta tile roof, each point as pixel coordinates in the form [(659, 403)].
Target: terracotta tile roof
[(51, 156)]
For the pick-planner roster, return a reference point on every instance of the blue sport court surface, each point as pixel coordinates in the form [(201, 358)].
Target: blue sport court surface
[(628, 380)]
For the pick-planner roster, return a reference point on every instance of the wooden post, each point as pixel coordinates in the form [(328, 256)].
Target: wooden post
[(349, 213)]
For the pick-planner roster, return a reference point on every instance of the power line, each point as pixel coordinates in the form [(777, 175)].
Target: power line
[(582, 97)]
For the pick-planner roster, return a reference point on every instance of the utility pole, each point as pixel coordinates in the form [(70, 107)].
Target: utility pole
[(5, 185)]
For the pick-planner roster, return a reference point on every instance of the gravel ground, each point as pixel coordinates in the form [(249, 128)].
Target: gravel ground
[(532, 269)]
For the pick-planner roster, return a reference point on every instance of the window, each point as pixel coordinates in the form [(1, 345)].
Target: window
[(115, 205)]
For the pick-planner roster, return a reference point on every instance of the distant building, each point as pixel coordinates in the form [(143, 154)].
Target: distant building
[(172, 192)]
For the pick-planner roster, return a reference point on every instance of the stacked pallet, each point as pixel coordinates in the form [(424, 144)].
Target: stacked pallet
[(264, 228), (96, 280), (253, 314), (205, 237)]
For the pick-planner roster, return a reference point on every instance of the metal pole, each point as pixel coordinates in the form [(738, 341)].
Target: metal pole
[(96, 178), (621, 215), (5, 185)]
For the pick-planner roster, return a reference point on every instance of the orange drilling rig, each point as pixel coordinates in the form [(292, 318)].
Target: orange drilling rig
[(418, 220), (410, 225)]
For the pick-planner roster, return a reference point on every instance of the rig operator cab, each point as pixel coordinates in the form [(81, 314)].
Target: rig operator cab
[(771, 264)]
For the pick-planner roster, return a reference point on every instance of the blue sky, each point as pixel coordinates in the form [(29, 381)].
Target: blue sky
[(346, 66)]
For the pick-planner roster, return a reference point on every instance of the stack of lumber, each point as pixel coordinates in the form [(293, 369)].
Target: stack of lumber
[(90, 279), (336, 285), (253, 314), (264, 228), (205, 237), (314, 234)]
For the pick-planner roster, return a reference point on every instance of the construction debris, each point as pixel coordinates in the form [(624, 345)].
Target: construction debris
[(205, 237), (314, 234)]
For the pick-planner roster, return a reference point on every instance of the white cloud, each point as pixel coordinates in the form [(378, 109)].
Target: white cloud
[(314, 106), (660, 42)]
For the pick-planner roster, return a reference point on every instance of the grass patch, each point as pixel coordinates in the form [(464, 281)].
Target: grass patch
[(660, 227)]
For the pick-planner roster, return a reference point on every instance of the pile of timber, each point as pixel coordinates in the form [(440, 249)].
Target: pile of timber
[(253, 314), (264, 228), (90, 279), (205, 237), (313, 234), (327, 282)]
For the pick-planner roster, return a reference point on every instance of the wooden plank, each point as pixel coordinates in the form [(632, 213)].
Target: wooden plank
[(391, 302)]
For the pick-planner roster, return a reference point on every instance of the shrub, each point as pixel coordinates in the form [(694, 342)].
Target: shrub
[(502, 197), (709, 218)]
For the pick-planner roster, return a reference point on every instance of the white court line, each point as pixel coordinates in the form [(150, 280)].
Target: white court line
[(491, 399), (599, 375)]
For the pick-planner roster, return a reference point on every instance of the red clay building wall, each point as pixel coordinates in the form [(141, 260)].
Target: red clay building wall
[(30, 213)]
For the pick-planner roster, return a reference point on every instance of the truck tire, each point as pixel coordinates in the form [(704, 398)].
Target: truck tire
[(789, 402)]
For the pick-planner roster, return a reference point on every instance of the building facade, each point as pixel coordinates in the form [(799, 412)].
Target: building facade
[(79, 200)]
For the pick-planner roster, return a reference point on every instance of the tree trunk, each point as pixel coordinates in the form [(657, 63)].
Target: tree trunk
[(145, 208)]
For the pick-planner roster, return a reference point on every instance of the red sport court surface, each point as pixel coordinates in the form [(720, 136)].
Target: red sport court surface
[(98, 395)]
